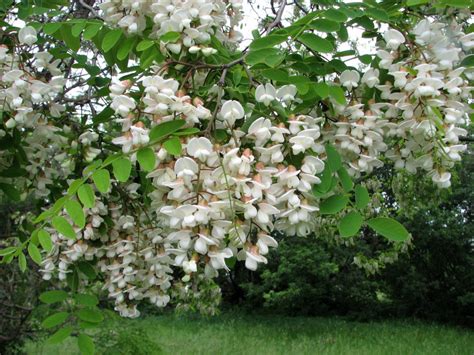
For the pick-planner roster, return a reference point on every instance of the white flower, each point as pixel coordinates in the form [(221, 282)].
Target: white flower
[(350, 79), (442, 179), (122, 105), (231, 111), (27, 35), (265, 94), (200, 148), (371, 77), (393, 38), (260, 129), (286, 93)]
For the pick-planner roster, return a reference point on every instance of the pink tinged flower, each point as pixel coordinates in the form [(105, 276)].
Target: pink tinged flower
[(125, 141), (201, 244), (265, 94), (27, 35), (252, 259), (265, 241), (218, 258), (200, 148), (350, 79), (393, 38)]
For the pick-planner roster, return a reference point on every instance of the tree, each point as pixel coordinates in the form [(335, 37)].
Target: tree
[(154, 150)]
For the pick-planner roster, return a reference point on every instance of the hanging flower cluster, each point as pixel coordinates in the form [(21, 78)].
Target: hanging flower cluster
[(216, 199), (238, 169), (27, 94), (420, 109), (195, 21)]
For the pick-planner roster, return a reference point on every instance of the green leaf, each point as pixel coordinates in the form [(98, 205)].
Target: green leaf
[(145, 44), (126, 47), (316, 43), (147, 158), (87, 269), (75, 211), (86, 299), (377, 14), (11, 192), (86, 344), (350, 224), (101, 180), (60, 335), (63, 227), (259, 56), (34, 253), (275, 74), (54, 320), (78, 28), (72, 42), (72, 280), (267, 41), (92, 315), (22, 262), (326, 182), (417, 2), (362, 197), (366, 59), (334, 159), (45, 240), (337, 93), (333, 204), (187, 131), (74, 186), (91, 31), (335, 15), (389, 228), (468, 61), (55, 296), (122, 168), (8, 251), (324, 25), (170, 37), (322, 89), (165, 128), (86, 195), (52, 27), (111, 39), (173, 146), (345, 179)]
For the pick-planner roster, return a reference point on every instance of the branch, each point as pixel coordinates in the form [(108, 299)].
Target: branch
[(466, 139), (90, 8), (277, 20)]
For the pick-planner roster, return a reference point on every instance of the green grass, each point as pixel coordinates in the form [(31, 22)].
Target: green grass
[(235, 334)]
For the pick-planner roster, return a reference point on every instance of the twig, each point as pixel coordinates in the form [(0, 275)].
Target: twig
[(90, 8), (277, 20)]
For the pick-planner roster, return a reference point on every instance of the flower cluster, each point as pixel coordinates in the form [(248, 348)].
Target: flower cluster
[(422, 107), (195, 20), (28, 95), (216, 197)]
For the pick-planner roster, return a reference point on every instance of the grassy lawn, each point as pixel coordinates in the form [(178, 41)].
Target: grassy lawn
[(234, 334)]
